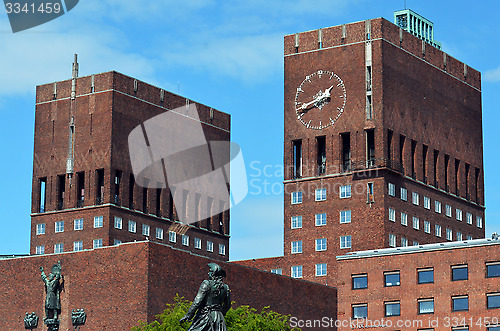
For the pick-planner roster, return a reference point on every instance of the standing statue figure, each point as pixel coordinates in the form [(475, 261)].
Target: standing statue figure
[(211, 303), (53, 286)]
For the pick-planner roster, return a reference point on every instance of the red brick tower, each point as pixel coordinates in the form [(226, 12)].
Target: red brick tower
[(84, 193)]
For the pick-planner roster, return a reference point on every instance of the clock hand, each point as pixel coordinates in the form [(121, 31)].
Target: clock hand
[(305, 106)]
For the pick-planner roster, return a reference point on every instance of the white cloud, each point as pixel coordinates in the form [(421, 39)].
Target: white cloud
[(492, 75)]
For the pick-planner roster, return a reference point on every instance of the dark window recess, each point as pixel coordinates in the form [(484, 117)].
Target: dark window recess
[(145, 200), (221, 223), (197, 199), (131, 186), (80, 189), (99, 187), (436, 157), (359, 282), (457, 178), (369, 107), (42, 195), (413, 150), (493, 269), (425, 149), (369, 193), (426, 276), (370, 148), (321, 154), (467, 170), (446, 168), (118, 181), (476, 186), (368, 78), (459, 273), (401, 151), (158, 202), (61, 187), (209, 219), (390, 134), (297, 158), (346, 152)]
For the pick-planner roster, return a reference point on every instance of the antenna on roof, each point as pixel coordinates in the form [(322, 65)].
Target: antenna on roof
[(405, 4)]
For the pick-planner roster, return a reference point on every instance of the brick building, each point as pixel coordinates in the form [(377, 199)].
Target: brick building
[(382, 145), (84, 192)]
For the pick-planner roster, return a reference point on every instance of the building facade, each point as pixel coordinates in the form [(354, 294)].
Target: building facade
[(84, 192)]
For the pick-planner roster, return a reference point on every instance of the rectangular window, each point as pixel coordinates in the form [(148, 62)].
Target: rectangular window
[(146, 230), (59, 226), (493, 328), (172, 236), (210, 246), (449, 234), (460, 303), (118, 222), (427, 202), (415, 243), (296, 222), (297, 271), (427, 227), (493, 300), (459, 236), (415, 198), (320, 269), (222, 249), (479, 222), (391, 278), (296, 197), (392, 240), (416, 223), (459, 215), (61, 190), (98, 222), (370, 197), (277, 271), (469, 218), (448, 210), (78, 224), (425, 276), (296, 247), (159, 235), (346, 152), (320, 219), (297, 158), (345, 242), (469, 237), (117, 242), (99, 196), (42, 196), (404, 219), (492, 269), (438, 230), (404, 194), (391, 188), (320, 244), (359, 281), (459, 272), (321, 194), (426, 306), (58, 248), (345, 191), (392, 308), (360, 311), (404, 242), (40, 250), (370, 145), (321, 155), (345, 216), (185, 240), (197, 243), (80, 189), (97, 243), (40, 229), (77, 246), (392, 215), (437, 207), (132, 225)]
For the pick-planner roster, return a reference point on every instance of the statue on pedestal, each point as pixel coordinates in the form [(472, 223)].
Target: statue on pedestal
[(53, 286)]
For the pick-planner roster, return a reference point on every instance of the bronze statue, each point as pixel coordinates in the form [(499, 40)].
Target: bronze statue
[(53, 286), (211, 303)]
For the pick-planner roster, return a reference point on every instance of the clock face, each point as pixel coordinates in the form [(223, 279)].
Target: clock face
[(320, 99)]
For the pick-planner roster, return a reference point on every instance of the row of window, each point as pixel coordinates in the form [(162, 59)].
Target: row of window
[(77, 246), (320, 219), (296, 271), (426, 305), (437, 205), (320, 244), (425, 275), (77, 225), (320, 194)]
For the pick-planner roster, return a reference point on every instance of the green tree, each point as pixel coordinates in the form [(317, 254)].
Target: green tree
[(242, 318)]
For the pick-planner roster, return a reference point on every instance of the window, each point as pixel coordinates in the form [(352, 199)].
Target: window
[(415, 243), (159, 235), (425, 276), (345, 242), (40, 229), (460, 303), (448, 210), (391, 278), (427, 227), (296, 222), (469, 218), (320, 219), (98, 222), (97, 243), (493, 328), (359, 281), (222, 249), (78, 246), (197, 243), (392, 240), (59, 248), (459, 272), (459, 215), (391, 189), (118, 222), (297, 158), (404, 219), (321, 194), (296, 197), (40, 250), (392, 308), (460, 328), (404, 194), (320, 269), (345, 216), (459, 236), (59, 226), (415, 198), (437, 207), (392, 215), (185, 240), (369, 193), (78, 224), (297, 271), (145, 230), (210, 246), (277, 271), (416, 223), (449, 234), (404, 242), (345, 191), (320, 244), (426, 306), (172, 237), (479, 222), (360, 311), (438, 230), (427, 202), (132, 226), (296, 247), (493, 300), (469, 237), (117, 242), (492, 269)]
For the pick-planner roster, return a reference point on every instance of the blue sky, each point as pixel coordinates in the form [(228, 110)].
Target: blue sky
[(228, 55)]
